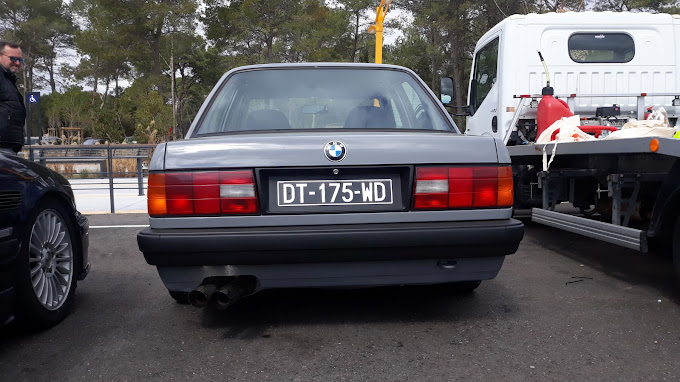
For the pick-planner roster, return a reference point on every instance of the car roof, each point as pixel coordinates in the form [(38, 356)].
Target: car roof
[(317, 65), (322, 65)]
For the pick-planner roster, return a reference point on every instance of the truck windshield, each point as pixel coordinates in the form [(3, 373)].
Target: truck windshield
[(320, 98)]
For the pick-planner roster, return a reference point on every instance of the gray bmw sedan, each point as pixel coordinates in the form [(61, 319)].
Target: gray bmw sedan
[(325, 175)]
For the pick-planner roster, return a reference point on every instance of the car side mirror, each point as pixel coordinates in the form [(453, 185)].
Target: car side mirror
[(446, 91)]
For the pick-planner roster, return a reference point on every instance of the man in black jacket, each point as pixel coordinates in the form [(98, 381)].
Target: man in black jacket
[(12, 109)]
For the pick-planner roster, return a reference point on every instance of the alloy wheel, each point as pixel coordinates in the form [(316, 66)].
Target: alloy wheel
[(50, 259)]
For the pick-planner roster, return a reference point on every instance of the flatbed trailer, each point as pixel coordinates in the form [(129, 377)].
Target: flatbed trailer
[(607, 68), (626, 191)]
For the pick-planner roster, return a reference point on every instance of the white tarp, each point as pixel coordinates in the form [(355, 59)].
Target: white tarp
[(569, 131)]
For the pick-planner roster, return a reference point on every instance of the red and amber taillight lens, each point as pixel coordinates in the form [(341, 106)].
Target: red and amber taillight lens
[(202, 193), (441, 188), (156, 195)]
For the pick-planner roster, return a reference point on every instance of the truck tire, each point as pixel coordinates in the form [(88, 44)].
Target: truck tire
[(676, 248)]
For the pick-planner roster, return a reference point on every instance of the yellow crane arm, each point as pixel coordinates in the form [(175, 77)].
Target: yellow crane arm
[(377, 28)]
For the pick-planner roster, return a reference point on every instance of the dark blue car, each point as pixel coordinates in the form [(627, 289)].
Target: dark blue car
[(43, 244)]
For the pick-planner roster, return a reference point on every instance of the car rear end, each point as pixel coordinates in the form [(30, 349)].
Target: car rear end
[(329, 207)]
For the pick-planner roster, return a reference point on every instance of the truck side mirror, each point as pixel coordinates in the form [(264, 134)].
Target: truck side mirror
[(446, 94), (446, 90)]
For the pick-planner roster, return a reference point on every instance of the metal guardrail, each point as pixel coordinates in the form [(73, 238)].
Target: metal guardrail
[(640, 97), (104, 155)]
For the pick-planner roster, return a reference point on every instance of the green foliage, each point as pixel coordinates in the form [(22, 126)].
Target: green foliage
[(316, 34), (413, 51), (41, 27), (73, 108), (262, 31), (87, 174), (143, 69), (636, 5)]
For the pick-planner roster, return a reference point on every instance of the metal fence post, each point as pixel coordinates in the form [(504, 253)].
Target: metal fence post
[(110, 156), (140, 180), (41, 154), (103, 169)]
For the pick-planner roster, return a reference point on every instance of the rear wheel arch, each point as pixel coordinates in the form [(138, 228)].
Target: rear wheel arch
[(67, 205), (59, 197)]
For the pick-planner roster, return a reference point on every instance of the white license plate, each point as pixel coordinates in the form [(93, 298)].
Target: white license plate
[(334, 192)]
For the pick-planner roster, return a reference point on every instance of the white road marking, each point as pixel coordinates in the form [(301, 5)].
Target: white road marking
[(120, 226), (85, 211), (107, 195)]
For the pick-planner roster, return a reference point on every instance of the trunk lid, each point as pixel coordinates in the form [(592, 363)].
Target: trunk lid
[(306, 149)]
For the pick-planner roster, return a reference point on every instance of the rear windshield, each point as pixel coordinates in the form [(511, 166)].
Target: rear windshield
[(283, 99), (601, 47)]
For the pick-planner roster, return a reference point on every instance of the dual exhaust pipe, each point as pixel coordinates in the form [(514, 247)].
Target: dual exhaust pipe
[(221, 296)]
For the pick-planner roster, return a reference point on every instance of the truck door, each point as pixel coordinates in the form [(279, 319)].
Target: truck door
[(483, 94)]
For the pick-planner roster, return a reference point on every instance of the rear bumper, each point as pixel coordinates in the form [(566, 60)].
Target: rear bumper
[(331, 243)]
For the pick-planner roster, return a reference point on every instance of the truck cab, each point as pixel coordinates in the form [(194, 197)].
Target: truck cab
[(594, 60)]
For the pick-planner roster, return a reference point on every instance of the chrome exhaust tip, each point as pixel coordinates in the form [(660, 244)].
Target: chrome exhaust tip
[(227, 296), (201, 296)]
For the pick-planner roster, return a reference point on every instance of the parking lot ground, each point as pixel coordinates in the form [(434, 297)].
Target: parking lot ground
[(106, 221), (563, 308)]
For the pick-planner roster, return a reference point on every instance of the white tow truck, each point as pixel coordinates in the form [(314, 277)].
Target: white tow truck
[(608, 68)]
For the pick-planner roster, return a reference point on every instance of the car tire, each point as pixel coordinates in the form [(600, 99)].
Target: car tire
[(676, 248), (180, 297), (47, 268)]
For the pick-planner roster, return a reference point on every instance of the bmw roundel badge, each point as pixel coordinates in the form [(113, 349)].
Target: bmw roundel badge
[(335, 151)]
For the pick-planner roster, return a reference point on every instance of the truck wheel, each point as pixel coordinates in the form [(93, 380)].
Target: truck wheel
[(47, 267), (676, 248)]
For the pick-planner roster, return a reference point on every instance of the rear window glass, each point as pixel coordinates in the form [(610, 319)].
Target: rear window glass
[(601, 47), (321, 98)]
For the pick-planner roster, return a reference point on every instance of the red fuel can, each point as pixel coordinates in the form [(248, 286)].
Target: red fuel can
[(550, 109)]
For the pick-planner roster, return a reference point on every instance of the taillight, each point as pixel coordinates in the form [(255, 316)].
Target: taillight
[(156, 195), (237, 193), (439, 188), (202, 193), (505, 187), (432, 188)]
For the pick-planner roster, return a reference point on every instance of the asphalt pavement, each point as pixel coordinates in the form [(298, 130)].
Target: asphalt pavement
[(563, 308)]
